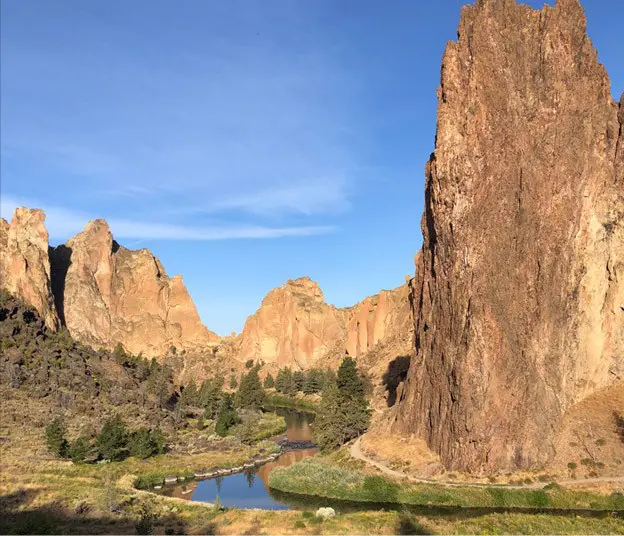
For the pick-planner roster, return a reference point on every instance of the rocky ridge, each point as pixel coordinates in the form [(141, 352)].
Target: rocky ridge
[(103, 293), (519, 292)]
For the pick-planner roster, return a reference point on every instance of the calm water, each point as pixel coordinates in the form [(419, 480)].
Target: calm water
[(251, 489)]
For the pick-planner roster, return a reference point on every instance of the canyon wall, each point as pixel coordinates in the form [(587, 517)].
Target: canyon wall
[(294, 326), (519, 292), (103, 293), (24, 263)]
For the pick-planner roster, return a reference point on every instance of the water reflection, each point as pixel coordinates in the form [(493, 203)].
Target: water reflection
[(251, 488)]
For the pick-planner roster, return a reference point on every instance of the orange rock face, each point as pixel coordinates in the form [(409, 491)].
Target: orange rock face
[(114, 295), (294, 326), (24, 262), (519, 294)]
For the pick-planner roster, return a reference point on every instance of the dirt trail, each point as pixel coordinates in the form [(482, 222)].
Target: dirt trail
[(356, 452)]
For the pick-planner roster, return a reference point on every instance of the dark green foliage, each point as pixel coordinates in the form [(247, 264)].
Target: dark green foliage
[(80, 450), (160, 381), (344, 412), (285, 383), (314, 382), (619, 425), (227, 416), (112, 440), (233, 382), (299, 380), (249, 363), (56, 439), (210, 395), (250, 393), (190, 395), (269, 382), (144, 443), (119, 352)]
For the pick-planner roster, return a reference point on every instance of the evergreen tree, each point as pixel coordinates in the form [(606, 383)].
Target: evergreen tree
[(269, 382), (249, 363), (227, 416), (111, 442), (344, 412), (314, 382), (80, 449), (190, 395), (233, 382), (250, 393), (285, 383), (141, 444), (56, 439), (299, 380), (210, 396)]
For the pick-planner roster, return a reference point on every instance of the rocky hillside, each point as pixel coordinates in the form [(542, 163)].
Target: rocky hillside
[(102, 292), (37, 363), (519, 293)]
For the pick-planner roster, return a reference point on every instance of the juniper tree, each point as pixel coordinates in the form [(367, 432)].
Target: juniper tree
[(56, 439), (269, 382), (227, 416), (250, 393), (111, 441)]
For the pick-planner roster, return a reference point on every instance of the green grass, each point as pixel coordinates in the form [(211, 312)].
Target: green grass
[(315, 476)]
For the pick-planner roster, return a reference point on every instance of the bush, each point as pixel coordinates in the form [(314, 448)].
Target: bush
[(144, 443), (56, 439), (381, 490)]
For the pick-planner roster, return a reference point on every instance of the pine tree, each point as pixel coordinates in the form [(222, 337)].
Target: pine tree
[(299, 380), (344, 412), (190, 395), (285, 383), (227, 416), (80, 449), (140, 443), (233, 382), (56, 439), (210, 395), (250, 393), (269, 382), (111, 442), (314, 382)]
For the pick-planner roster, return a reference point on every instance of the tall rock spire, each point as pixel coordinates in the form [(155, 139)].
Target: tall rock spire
[(520, 311)]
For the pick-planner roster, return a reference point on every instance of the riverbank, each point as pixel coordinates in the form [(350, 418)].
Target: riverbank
[(322, 476), (303, 403)]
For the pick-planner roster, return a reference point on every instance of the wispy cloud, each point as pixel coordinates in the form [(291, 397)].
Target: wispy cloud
[(62, 223), (227, 120)]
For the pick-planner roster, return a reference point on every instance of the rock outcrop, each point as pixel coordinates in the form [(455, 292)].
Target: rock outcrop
[(519, 293), (24, 263), (102, 292), (108, 294), (294, 326)]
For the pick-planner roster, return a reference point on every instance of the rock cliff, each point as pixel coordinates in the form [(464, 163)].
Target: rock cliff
[(108, 294), (24, 263), (294, 326), (519, 293), (103, 293)]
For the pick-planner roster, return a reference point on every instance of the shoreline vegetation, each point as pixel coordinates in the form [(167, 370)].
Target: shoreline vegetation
[(305, 403), (321, 476)]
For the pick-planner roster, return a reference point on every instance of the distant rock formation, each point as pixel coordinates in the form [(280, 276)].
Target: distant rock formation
[(115, 295), (24, 263), (519, 293), (104, 294), (294, 326)]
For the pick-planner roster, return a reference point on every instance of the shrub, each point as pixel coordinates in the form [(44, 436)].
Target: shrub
[(572, 466), (379, 489), (144, 443), (80, 450)]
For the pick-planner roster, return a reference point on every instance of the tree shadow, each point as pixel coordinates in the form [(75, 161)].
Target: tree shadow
[(409, 525), (394, 375), (16, 517)]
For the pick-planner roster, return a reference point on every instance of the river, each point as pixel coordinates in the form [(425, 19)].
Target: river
[(251, 488)]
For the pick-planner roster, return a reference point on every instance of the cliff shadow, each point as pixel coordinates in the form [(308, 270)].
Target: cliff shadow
[(17, 517), (60, 261), (394, 375)]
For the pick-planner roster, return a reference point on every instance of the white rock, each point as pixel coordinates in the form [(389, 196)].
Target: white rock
[(325, 513)]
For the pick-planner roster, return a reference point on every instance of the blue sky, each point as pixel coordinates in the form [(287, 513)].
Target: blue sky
[(243, 142)]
